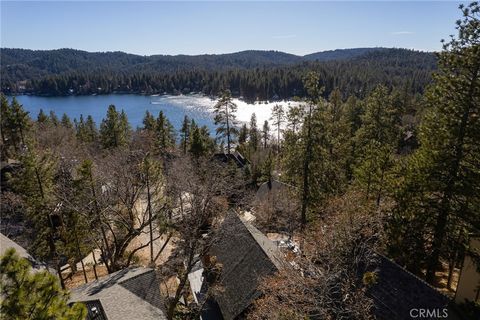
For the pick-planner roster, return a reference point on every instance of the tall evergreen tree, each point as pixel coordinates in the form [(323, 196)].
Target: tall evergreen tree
[(149, 121), (353, 113), (225, 118), (35, 182), (295, 116), (314, 91), (91, 129), (15, 124), (243, 134), (253, 133), (164, 132), (21, 120), (185, 134), (80, 128), (197, 146), (377, 141), (54, 118), (440, 193), (265, 133), (5, 120), (114, 129), (278, 118), (66, 122), (42, 117), (125, 129)]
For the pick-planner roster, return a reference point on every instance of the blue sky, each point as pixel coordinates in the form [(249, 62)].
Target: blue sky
[(220, 27)]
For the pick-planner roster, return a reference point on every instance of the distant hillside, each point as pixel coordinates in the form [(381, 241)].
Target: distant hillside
[(23, 64), (342, 54), (252, 74)]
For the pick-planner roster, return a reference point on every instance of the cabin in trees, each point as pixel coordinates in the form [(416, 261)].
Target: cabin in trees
[(132, 293), (239, 258), (242, 256), (235, 157), (397, 294)]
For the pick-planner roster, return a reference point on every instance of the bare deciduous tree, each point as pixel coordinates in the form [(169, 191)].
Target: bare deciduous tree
[(325, 281), (201, 191)]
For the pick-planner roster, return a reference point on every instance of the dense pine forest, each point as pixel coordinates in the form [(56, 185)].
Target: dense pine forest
[(264, 75), (381, 158)]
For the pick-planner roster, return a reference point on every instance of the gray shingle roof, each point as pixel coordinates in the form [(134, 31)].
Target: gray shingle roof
[(235, 157), (398, 291), (246, 256), (7, 243), (132, 293)]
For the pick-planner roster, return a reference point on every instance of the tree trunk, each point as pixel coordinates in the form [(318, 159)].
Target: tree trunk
[(306, 164), (102, 229), (150, 216), (183, 281), (228, 129)]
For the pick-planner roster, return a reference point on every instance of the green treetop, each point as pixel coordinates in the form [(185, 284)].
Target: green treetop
[(225, 118), (33, 295)]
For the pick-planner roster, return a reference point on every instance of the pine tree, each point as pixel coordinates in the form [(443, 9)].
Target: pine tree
[(185, 134), (54, 118), (225, 118), (278, 118), (33, 295), (125, 129), (91, 132), (197, 147), (353, 113), (114, 129), (377, 142), (164, 132), (42, 117), (314, 91), (66, 122), (148, 121), (15, 124), (295, 116), (80, 128), (35, 182), (440, 192), (265, 134), (243, 134), (6, 119), (253, 133)]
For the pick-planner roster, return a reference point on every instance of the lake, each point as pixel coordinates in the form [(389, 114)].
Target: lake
[(196, 107)]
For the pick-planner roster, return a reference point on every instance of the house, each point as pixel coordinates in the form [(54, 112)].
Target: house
[(245, 257), (275, 192), (6, 243), (132, 293), (398, 294), (468, 288), (235, 157)]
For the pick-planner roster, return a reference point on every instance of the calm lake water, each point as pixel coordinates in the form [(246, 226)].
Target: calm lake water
[(196, 107), (174, 107)]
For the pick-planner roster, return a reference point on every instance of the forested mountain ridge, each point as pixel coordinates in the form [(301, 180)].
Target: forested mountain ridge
[(251, 74)]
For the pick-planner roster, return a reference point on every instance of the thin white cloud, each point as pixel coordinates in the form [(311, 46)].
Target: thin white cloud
[(285, 36), (396, 33)]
